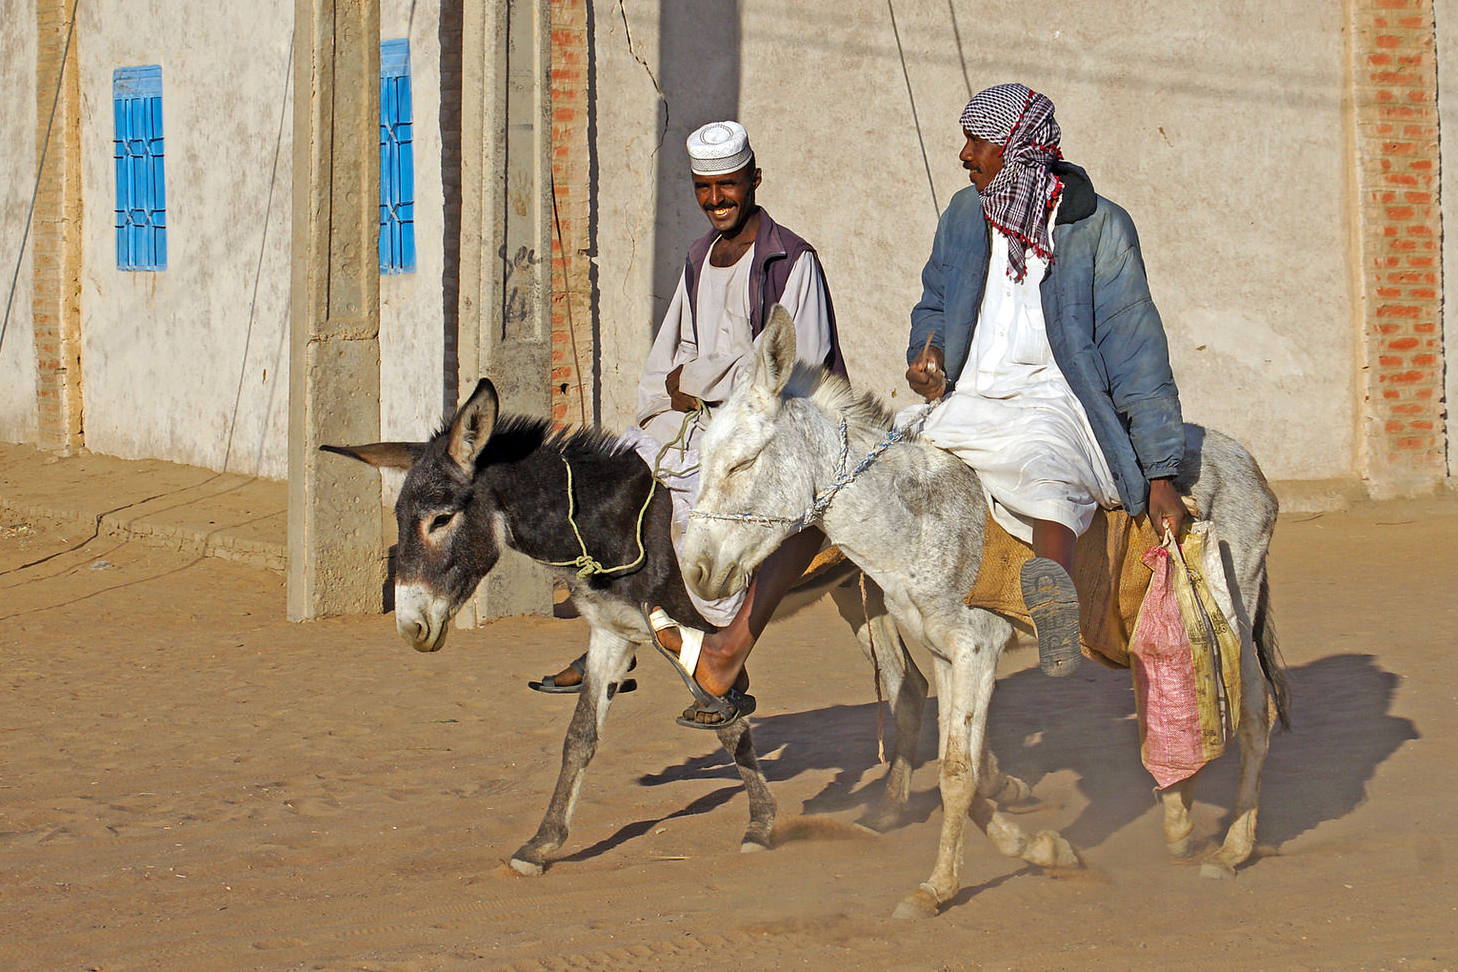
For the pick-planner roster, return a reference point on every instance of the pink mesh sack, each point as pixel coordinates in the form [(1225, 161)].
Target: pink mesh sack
[(1185, 658)]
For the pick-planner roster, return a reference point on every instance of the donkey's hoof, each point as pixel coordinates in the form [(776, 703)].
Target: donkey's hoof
[(1183, 848), (757, 838), (920, 903), (881, 820), (1217, 871), (1013, 793), (1050, 849), (528, 862)]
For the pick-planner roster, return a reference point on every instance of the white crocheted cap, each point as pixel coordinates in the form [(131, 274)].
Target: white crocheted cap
[(719, 147)]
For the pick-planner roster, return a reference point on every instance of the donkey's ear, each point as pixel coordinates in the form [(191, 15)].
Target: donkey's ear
[(473, 424), (381, 455), (774, 353)]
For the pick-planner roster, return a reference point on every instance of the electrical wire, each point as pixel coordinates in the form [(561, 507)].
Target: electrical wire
[(39, 170), (914, 119)]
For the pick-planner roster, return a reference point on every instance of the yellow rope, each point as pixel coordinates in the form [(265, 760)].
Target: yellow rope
[(586, 564)]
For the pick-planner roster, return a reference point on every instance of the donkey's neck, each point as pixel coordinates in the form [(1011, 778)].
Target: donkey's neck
[(892, 505), (568, 486), (619, 520)]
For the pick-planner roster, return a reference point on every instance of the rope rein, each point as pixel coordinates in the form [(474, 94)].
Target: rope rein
[(586, 564)]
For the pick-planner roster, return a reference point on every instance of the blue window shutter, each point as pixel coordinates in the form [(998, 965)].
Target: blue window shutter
[(397, 165), (141, 189)]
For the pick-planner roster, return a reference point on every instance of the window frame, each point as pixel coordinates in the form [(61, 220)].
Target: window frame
[(397, 160), (139, 163)]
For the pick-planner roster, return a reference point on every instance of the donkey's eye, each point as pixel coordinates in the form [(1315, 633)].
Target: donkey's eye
[(441, 521), (742, 464)]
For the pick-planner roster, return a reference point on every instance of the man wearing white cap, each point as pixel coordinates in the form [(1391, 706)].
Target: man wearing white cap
[(731, 278)]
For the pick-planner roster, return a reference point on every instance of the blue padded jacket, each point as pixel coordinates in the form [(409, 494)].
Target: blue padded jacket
[(1102, 325)]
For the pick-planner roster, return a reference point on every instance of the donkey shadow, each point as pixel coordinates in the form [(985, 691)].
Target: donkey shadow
[(1341, 732)]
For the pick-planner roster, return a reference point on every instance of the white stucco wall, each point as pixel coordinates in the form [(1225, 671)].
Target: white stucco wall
[(411, 314), (1446, 18), (18, 420), (1219, 128), (190, 363)]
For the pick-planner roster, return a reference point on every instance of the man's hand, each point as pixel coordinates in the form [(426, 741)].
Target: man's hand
[(680, 401), (927, 375), (1166, 509)]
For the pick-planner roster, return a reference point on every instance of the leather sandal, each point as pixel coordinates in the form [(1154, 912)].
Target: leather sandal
[(717, 711), (1052, 603)]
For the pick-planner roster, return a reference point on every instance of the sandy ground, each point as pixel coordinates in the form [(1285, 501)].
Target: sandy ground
[(189, 782)]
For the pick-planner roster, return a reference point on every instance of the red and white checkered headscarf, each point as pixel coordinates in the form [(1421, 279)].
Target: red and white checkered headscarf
[(1024, 191)]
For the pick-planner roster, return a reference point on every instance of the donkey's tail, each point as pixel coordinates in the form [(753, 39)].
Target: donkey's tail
[(1268, 651)]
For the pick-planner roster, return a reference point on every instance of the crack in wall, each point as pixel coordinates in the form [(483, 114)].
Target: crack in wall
[(662, 99)]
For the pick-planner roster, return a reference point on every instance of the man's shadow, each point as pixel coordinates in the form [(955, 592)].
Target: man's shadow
[(1341, 731)]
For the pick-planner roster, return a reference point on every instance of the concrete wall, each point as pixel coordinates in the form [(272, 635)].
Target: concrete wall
[(190, 364), (1219, 127), (411, 312), (17, 183)]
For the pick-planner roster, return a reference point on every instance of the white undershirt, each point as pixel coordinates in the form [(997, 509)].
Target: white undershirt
[(1015, 419), (714, 346)]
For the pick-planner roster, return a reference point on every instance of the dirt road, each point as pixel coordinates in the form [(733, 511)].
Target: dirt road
[(189, 782)]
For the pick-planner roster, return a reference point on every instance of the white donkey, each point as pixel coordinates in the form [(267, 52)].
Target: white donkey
[(791, 447)]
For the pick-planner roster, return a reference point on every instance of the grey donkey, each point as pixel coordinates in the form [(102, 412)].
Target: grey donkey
[(486, 482), (912, 519)]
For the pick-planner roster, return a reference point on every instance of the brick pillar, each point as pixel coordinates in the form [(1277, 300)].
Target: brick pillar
[(56, 231), (574, 377), (1400, 240)]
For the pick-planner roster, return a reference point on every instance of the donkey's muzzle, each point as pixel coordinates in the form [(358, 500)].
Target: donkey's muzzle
[(421, 616), (712, 581)]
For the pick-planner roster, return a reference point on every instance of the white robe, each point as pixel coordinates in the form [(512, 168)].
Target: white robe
[(715, 347), (1014, 418)]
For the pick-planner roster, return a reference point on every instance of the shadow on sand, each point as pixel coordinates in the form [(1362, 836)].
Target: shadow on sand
[(1341, 732)]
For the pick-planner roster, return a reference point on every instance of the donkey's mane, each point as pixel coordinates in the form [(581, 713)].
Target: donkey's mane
[(517, 436), (834, 394)]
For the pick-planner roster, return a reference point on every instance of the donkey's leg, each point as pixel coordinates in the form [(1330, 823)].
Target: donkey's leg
[(739, 742), (1254, 736), (942, 675), (963, 710), (904, 685), (1178, 827), (607, 661), (997, 786), (1045, 848)]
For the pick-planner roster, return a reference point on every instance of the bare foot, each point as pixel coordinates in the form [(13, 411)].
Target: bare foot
[(567, 677), (706, 672)]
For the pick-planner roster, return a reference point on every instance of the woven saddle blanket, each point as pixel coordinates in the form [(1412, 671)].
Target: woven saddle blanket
[(1108, 573)]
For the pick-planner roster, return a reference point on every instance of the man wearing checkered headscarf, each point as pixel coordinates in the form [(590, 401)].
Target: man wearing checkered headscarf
[(1037, 337), (1025, 190)]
